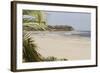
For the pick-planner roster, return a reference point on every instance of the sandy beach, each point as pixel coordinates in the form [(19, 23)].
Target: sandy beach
[(60, 46)]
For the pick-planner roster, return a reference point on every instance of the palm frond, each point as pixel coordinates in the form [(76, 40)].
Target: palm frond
[(30, 53)]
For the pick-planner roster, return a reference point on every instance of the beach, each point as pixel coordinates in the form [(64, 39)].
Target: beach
[(60, 45)]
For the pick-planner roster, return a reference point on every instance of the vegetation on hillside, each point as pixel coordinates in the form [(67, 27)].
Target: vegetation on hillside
[(60, 28)]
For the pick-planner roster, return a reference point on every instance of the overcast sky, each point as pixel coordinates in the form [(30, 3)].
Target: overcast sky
[(79, 21)]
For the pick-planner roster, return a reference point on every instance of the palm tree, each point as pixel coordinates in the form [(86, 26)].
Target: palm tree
[(35, 13), (39, 21), (30, 53)]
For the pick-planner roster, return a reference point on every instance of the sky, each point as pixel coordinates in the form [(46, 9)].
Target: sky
[(79, 21)]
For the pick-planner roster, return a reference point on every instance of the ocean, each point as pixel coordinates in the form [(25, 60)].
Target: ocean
[(63, 33)]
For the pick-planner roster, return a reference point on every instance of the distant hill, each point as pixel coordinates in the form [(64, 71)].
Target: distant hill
[(60, 28)]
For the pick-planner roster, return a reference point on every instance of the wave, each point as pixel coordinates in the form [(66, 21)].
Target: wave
[(79, 33)]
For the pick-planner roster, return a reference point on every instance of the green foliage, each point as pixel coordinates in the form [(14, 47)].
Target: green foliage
[(35, 13), (39, 23), (30, 53), (52, 58), (34, 27)]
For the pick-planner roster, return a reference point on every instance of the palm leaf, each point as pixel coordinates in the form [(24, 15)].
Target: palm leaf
[(30, 53)]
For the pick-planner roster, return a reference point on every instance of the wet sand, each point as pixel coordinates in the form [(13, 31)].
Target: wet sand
[(69, 47)]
